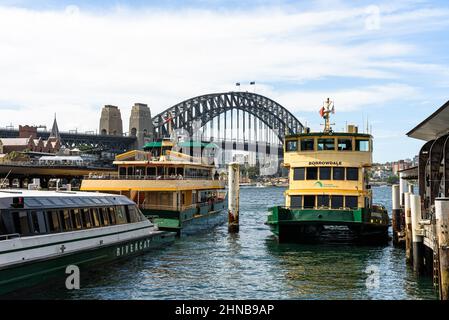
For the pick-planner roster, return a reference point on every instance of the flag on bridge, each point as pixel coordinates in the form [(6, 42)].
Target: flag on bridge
[(322, 112)]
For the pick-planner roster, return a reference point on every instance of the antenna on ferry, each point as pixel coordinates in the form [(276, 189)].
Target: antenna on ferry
[(325, 111)]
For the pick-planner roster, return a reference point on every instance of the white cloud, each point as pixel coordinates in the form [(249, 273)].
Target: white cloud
[(73, 62)]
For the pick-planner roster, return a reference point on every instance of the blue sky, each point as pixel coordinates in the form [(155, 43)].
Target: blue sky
[(382, 60)]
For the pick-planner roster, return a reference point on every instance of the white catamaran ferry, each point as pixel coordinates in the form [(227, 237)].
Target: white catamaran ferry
[(42, 232)]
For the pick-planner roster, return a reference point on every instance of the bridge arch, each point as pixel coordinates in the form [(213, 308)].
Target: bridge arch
[(206, 107)]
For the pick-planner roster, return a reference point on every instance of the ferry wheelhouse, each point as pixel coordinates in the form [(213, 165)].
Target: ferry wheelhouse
[(329, 196), (42, 232), (177, 191)]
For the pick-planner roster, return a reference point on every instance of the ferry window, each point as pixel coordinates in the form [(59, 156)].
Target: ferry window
[(58, 201), (122, 171), (307, 145), (104, 200), (68, 201), (121, 215), (299, 173), (352, 174), (361, 145), (326, 144), (180, 171), (309, 201), (140, 171), (38, 222), (337, 202), (151, 171), (2, 225), (97, 201), (104, 218), (127, 214), (351, 202), (325, 173), (345, 144), (312, 173), (112, 217), (338, 173), (32, 202), (323, 201), (20, 220), (296, 201), (76, 218), (46, 202), (130, 171), (133, 213), (292, 145), (96, 218), (66, 223), (87, 219), (53, 221)]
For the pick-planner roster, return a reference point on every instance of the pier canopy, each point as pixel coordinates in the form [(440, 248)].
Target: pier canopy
[(434, 126)]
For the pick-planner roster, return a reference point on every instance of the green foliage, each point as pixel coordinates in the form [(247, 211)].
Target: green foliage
[(393, 179)]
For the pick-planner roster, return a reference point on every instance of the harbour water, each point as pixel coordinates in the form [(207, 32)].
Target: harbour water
[(252, 265)]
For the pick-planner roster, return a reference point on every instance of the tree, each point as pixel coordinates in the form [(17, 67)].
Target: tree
[(392, 179)]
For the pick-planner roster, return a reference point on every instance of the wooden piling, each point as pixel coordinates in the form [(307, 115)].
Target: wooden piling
[(233, 196), (442, 229), (408, 229), (395, 214), (417, 238)]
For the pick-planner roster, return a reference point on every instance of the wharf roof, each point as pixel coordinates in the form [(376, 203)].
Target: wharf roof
[(434, 126)]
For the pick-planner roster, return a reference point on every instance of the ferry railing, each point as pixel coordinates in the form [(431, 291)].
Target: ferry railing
[(318, 208), (167, 207), (9, 236), (145, 177)]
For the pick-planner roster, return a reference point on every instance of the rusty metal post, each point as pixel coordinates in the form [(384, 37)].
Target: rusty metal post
[(233, 196), (442, 229)]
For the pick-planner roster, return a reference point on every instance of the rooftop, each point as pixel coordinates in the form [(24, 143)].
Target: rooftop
[(433, 126)]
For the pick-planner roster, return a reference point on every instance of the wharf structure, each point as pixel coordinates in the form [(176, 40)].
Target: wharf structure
[(421, 217)]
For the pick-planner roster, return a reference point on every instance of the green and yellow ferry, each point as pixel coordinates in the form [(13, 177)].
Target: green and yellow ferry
[(177, 191), (329, 197)]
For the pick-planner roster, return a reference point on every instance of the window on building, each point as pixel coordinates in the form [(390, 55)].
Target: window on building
[(351, 202), (312, 173), (309, 202), (54, 224), (296, 201), (352, 174), (345, 144), (338, 173), (337, 202), (326, 144), (361, 145), (307, 145), (325, 173), (292, 145), (298, 173), (323, 201)]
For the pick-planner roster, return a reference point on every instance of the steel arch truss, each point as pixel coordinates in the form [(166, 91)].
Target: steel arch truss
[(206, 107)]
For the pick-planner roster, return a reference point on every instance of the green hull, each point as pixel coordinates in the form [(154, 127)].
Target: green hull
[(312, 225), (32, 273), (189, 221)]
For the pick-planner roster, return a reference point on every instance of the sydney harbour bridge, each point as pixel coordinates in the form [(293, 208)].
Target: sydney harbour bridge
[(241, 121)]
